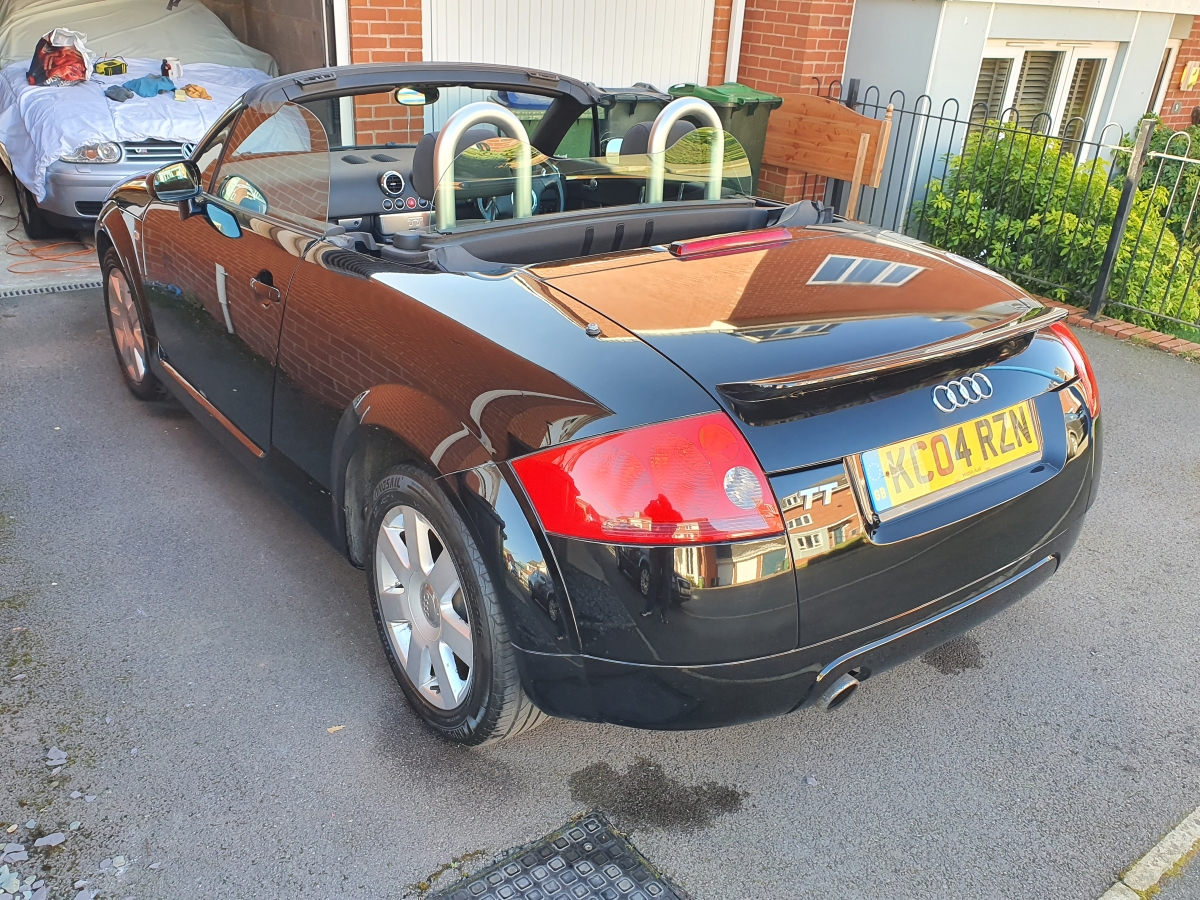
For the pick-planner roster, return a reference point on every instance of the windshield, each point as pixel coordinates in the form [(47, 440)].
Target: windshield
[(481, 184)]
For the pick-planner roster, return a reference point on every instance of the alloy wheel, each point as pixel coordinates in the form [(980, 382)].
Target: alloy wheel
[(425, 613), (126, 326)]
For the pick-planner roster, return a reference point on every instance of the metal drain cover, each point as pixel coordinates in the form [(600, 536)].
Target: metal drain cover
[(584, 860)]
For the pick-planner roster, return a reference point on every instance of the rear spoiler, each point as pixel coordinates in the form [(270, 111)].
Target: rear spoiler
[(797, 385)]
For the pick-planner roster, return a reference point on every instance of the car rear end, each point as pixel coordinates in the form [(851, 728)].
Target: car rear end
[(900, 447)]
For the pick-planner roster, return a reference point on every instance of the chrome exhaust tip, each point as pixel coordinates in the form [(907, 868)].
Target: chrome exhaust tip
[(839, 692)]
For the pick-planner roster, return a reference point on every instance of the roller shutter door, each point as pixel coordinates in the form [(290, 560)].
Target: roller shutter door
[(613, 43)]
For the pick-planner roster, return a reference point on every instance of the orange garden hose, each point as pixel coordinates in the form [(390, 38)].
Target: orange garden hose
[(47, 257)]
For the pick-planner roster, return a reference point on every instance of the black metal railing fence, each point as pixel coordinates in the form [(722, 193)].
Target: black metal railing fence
[(1084, 217)]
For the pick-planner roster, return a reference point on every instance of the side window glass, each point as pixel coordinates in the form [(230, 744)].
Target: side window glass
[(210, 155), (237, 190), (278, 164)]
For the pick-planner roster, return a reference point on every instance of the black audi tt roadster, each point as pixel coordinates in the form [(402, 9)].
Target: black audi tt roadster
[(612, 438)]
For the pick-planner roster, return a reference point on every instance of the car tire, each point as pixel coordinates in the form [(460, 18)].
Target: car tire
[(645, 582), (126, 328), (430, 592), (37, 228)]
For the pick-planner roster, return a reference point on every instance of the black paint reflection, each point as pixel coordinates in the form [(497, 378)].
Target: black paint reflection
[(684, 605)]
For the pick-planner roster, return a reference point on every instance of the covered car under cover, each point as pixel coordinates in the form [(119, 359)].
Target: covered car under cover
[(191, 32), (39, 125)]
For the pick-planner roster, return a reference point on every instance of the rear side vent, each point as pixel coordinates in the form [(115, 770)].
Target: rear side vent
[(354, 160), (383, 157)]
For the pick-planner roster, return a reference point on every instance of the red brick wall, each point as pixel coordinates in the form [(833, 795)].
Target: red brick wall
[(1189, 50), (719, 54), (788, 43), (379, 119), (787, 46), (386, 31)]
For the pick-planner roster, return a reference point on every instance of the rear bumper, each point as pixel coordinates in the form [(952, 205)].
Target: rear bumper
[(691, 697)]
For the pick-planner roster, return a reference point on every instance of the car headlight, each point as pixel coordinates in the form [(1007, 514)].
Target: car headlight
[(107, 152)]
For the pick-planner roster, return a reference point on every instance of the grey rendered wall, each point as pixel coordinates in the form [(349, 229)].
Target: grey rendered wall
[(920, 46), (1143, 55), (891, 44), (925, 46), (964, 31)]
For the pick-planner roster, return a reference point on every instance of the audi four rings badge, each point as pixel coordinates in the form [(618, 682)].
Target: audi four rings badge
[(962, 392)]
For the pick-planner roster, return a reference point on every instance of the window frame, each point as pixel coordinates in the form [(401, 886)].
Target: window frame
[(1072, 51), (221, 129), (1171, 49)]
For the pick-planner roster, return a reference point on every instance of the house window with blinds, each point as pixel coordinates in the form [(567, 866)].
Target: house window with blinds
[(1081, 95), (1035, 87), (991, 88)]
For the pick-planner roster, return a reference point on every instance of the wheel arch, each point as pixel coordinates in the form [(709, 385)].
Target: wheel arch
[(112, 232), (385, 426), (372, 438)]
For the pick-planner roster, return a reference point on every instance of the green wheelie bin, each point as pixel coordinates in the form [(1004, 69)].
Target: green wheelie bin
[(743, 111)]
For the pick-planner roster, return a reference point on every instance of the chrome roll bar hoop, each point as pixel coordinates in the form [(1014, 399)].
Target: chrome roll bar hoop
[(444, 154), (657, 145)]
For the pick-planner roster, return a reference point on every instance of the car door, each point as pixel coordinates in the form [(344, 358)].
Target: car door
[(217, 272)]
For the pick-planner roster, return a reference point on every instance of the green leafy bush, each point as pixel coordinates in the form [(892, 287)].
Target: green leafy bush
[(1022, 203)]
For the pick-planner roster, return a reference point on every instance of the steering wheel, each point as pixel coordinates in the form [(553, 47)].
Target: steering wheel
[(502, 207)]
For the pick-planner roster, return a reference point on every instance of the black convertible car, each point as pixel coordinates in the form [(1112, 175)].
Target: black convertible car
[(613, 439)]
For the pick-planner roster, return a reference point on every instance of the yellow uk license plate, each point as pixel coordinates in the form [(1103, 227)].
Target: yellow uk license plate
[(925, 467)]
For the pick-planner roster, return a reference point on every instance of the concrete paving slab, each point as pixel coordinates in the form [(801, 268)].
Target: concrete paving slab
[(67, 260)]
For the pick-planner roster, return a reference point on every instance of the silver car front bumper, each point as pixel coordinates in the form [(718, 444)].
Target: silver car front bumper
[(77, 190)]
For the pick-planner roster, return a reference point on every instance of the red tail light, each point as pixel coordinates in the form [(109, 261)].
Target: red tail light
[(687, 481), (1083, 366)]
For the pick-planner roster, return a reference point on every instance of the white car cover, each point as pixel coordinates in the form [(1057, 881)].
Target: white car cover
[(142, 29), (40, 124)]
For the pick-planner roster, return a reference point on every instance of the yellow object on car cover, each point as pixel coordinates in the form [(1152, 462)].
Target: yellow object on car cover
[(196, 92), (111, 67)]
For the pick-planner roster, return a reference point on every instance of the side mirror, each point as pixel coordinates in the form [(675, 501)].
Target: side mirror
[(223, 220), (176, 183)]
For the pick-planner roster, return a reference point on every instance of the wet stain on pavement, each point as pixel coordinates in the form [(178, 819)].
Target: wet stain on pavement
[(955, 656), (644, 795)]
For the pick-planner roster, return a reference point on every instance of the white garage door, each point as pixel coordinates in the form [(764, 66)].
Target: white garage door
[(613, 43)]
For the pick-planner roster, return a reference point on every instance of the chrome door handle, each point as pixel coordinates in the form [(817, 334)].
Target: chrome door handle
[(268, 292)]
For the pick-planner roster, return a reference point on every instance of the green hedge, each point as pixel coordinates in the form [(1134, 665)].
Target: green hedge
[(1022, 204)]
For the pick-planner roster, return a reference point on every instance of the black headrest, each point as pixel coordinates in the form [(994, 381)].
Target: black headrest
[(423, 179), (637, 138)]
